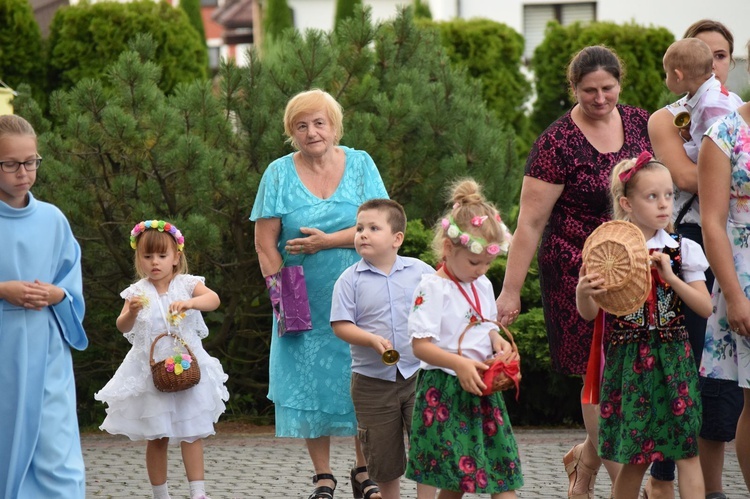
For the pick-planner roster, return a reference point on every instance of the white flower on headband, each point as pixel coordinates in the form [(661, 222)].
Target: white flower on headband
[(475, 244)]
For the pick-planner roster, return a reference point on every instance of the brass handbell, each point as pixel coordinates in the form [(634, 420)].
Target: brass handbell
[(682, 119), (390, 357)]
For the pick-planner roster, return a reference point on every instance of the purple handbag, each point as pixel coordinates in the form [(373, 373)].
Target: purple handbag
[(291, 307)]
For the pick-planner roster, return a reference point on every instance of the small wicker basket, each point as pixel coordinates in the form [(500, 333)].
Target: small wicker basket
[(617, 251), (166, 381), (507, 373)]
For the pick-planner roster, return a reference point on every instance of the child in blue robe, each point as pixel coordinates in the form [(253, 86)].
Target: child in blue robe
[(41, 315)]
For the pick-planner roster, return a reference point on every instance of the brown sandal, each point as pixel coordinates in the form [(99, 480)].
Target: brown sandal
[(582, 477)]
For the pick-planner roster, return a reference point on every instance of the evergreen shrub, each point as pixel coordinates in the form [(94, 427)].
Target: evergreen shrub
[(21, 47), (85, 39), (492, 53)]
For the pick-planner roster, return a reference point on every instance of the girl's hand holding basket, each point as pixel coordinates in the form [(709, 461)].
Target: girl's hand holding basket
[(468, 371)]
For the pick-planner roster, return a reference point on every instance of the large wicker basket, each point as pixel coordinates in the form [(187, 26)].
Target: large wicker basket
[(505, 369), (617, 251), (166, 381)]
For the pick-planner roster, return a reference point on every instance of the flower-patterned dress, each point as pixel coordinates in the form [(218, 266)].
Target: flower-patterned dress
[(726, 355), (650, 405), (459, 441), (136, 408)]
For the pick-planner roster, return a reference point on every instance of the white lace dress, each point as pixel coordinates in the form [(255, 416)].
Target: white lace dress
[(135, 407)]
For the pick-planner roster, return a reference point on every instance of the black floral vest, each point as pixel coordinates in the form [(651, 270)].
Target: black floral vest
[(661, 312)]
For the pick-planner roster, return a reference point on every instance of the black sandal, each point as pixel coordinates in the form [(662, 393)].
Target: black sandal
[(358, 488), (323, 492)]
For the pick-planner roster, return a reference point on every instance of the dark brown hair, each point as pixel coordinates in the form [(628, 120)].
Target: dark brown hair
[(707, 25), (394, 212), (593, 58)]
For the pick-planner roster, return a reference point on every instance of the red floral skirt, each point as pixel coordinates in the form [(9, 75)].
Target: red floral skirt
[(459, 441), (650, 405)]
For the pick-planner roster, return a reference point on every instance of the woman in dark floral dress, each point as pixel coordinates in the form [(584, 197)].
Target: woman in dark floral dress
[(564, 197), (650, 403)]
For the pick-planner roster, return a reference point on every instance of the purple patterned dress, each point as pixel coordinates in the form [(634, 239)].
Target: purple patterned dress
[(563, 155)]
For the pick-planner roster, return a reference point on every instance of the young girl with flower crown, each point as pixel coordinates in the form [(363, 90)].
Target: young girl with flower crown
[(165, 299), (461, 441), (650, 406)]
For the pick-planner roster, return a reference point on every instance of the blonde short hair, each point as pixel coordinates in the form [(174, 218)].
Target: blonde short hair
[(691, 56), (311, 101)]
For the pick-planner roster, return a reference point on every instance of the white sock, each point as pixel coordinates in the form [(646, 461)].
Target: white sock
[(197, 488), (161, 491)]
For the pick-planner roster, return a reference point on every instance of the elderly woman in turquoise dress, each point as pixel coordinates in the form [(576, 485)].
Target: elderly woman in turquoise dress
[(304, 214)]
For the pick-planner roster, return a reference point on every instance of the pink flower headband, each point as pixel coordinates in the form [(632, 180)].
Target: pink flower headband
[(643, 159), (159, 225), (476, 244)]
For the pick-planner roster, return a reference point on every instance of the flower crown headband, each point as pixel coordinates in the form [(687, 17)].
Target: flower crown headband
[(476, 244), (159, 225)]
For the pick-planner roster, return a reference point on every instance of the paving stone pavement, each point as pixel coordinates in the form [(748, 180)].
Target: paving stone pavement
[(258, 465)]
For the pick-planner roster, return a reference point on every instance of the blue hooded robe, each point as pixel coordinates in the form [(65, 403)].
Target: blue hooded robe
[(40, 446)]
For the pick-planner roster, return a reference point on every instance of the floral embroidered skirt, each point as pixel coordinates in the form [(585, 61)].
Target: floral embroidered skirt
[(650, 406), (459, 441)]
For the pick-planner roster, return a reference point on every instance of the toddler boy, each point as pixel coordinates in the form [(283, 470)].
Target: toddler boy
[(688, 64), (370, 309)]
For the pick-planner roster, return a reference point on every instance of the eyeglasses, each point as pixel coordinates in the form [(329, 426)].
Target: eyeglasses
[(13, 166)]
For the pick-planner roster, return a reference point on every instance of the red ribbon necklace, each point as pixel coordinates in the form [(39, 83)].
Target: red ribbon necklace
[(476, 305)]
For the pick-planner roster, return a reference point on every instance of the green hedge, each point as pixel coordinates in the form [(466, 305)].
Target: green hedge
[(21, 49), (86, 39)]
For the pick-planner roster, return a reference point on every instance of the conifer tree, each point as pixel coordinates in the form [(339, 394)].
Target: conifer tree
[(21, 55), (193, 10), (422, 10), (128, 152), (277, 16), (88, 37), (344, 10)]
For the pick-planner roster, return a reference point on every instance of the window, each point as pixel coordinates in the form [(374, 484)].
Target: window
[(536, 17)]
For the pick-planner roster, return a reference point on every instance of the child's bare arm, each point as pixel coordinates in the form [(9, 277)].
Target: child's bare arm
[(354, 335), (589, 285), (129, 313), (465, 368), (694, 294), (500, 345), (204, 299)]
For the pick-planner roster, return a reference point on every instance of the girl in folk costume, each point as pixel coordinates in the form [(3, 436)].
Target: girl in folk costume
[(461, 441), (650, 407), (166, 299)]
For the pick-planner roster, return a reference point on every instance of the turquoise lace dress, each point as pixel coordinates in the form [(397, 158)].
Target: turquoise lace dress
[(309, 374)]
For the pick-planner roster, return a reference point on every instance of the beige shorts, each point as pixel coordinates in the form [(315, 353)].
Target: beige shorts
[(384, 410)]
